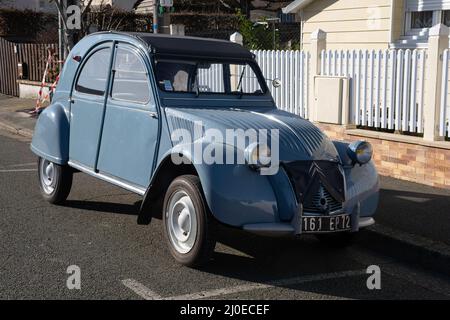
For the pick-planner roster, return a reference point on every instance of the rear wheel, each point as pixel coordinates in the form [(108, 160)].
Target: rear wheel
[(55, 181), (188, 225), (338, 240)]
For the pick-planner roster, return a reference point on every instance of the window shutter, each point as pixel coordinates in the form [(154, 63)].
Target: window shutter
[(427, 5)]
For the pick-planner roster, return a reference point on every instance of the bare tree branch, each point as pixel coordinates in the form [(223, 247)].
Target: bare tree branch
[(87, 7)]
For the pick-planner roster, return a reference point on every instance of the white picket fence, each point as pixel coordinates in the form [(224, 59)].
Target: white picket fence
[(444, 125), (292, 68), (386, 87)]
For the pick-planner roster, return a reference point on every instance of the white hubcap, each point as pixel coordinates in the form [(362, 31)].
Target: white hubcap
[(47, 174), (181, 222)]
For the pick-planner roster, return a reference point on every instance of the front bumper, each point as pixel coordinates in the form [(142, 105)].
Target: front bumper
[(288, 229)]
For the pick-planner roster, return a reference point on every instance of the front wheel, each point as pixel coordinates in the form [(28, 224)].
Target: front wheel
[(188, 224), (55, 181)]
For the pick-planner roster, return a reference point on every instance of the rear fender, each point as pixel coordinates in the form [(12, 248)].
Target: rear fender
[(51, 135)]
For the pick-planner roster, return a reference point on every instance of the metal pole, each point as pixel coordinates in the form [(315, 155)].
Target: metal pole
[(274, 35), (155, 15), (60, 41), (65, 35)]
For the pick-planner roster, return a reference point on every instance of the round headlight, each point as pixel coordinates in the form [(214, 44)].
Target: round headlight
[(360, 152), (258, 155)]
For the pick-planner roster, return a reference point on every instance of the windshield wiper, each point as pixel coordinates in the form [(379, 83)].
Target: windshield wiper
[(239, 87), (197, 87)]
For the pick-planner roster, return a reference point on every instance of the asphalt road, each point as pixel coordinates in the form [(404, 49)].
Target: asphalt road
[(96, 230)]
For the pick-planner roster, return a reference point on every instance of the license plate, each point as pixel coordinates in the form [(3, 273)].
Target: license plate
[(326, 224)]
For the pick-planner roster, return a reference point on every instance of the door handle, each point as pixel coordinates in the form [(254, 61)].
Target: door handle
[(153, 114), (71, 100)]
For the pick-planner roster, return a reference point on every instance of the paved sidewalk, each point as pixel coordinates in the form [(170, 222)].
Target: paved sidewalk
[(411, 216), (15, 117)]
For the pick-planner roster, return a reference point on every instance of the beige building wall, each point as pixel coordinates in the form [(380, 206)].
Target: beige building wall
[(349, 24), (398, 19)]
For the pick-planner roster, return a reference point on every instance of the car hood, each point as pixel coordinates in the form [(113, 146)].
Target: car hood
[(299, 139)]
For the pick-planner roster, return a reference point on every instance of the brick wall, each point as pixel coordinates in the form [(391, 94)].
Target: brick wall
[(407, 160)]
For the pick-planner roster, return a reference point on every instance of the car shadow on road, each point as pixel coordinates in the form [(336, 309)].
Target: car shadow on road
[(267, 260), (256, 259)]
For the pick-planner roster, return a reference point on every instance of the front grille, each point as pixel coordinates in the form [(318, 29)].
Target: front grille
[(322, 202), (318, 185)]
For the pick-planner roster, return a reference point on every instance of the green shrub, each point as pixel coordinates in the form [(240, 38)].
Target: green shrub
[(258, 36), (28, 24)]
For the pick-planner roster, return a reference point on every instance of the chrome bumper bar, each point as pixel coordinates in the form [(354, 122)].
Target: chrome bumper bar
[(287, 229)]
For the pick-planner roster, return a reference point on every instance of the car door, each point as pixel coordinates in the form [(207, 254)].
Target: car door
[(87, 106), (130, 128)]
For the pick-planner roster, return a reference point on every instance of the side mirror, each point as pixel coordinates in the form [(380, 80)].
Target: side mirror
[(276, 83)]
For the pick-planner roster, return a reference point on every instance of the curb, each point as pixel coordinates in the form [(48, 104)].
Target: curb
[(27, 133), (411, 248)]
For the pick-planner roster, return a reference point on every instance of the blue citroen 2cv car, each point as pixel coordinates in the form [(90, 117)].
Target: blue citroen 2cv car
[(174, 119)]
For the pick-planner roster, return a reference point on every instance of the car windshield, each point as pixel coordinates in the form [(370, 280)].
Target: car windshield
[(211, 77)]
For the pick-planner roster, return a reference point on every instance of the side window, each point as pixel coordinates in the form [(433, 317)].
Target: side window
[(94, 75), (130, 78)]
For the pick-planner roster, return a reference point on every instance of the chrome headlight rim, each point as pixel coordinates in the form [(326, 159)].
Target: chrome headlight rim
[(258, 155), (360, 152)]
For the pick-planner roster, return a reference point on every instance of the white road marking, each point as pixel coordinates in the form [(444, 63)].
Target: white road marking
[(414, 199), (22, 165), (18, 170), (148, 294), (141, 290), (220, 292)]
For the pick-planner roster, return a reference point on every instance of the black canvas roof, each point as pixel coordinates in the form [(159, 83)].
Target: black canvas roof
[(192, 46)]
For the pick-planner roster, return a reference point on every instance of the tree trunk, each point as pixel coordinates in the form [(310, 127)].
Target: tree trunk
[(72, 35), (245, 7)]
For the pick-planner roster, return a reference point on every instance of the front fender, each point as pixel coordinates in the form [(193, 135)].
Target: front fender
[(235, 194), (363, 187), (362, 183), (51, 135)]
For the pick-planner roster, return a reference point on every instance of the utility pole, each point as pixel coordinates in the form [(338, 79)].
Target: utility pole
[(71, 34), (163, 19), (155, 16), (274, 31), (63, 36), (61, 45)]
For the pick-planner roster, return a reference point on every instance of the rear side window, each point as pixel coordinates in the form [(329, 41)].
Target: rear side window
[(130, 77), (94, 75)]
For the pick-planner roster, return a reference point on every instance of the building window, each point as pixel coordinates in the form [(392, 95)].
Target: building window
[(421, 19), (446, 17), (287, 17)]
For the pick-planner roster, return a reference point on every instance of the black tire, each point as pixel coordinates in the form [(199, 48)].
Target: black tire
[(205, 240), (338, 240), (61, 182)]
